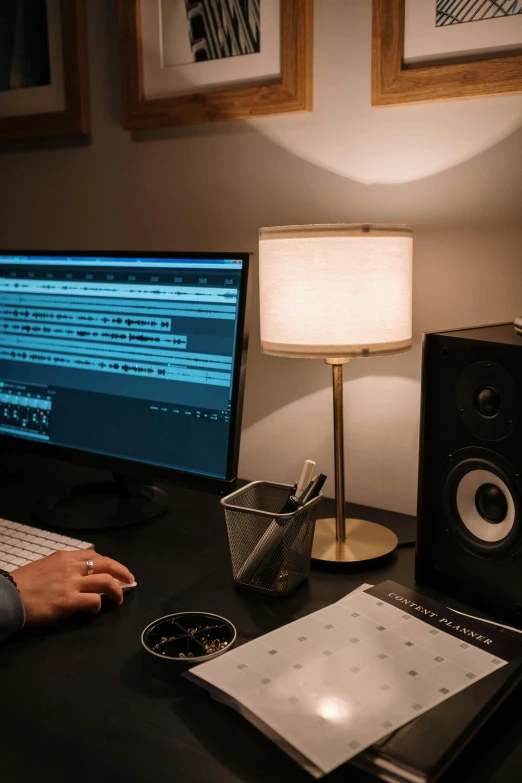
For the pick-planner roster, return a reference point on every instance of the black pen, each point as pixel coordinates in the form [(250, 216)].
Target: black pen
[(312, 490)]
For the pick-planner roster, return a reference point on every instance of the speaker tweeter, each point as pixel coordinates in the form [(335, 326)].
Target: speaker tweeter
[(487, 400)]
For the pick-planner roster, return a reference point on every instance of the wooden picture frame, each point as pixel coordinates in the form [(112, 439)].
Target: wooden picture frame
[(394, 83), (74, 118), (292, 93)]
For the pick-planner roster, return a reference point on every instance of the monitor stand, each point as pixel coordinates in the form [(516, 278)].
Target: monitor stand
[(107, 504)]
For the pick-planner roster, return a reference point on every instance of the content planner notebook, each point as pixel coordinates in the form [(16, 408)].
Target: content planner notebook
[(339, 681)]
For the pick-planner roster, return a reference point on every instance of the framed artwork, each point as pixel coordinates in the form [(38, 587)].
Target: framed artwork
[(43, 69), (429, 50), (196, 61)]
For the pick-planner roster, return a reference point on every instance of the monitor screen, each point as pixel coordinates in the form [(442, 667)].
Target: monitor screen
[(132, 357)]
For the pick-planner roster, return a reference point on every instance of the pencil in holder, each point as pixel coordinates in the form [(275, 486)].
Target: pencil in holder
[(270, 551)]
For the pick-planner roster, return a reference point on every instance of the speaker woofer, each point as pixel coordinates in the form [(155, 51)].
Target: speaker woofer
[(482, 503), (469, 486)]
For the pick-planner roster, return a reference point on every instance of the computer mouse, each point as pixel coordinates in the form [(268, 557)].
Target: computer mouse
[(125, 587)]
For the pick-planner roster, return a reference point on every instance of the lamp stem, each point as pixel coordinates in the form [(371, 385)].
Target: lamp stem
[(337, 383), (355, 539)]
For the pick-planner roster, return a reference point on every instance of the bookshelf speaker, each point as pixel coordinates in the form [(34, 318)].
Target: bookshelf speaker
[(469, 541)]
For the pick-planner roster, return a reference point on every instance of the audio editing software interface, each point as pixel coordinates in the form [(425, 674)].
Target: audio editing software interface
[(126, 357)]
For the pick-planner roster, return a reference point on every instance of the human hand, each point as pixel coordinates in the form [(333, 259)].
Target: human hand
[(58, 586)]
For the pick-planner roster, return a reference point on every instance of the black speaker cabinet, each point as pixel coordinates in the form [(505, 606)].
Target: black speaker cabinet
[(469, 538)]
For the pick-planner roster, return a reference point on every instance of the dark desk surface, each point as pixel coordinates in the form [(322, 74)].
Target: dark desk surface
[(76, 707)]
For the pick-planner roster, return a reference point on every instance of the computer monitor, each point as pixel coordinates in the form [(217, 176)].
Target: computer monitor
[(132, 362)]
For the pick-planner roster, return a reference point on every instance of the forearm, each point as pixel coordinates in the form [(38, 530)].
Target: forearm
[(12, 614)]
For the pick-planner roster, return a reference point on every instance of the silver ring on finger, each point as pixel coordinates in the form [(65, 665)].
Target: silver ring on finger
[(90, 566)]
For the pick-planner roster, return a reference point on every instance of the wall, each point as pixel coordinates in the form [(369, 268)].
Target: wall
[(451, 170)]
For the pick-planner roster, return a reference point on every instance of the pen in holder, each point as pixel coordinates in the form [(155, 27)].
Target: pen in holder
[(270, 551)]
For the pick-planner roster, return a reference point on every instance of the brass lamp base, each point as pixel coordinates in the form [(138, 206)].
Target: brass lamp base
[(364, 541)]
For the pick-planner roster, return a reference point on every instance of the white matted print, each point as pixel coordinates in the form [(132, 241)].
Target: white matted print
[(31, 58), (449, 30), (190, 46), (195, 31)]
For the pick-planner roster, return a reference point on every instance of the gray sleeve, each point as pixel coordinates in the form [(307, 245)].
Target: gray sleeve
[(12, 614)]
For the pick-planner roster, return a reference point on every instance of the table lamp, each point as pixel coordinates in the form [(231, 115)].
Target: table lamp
[(337, 292)]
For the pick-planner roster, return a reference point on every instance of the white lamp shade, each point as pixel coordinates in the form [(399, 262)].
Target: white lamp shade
[(330, 291)]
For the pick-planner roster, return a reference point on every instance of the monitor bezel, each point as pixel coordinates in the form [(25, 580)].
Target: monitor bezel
[(143, 471)]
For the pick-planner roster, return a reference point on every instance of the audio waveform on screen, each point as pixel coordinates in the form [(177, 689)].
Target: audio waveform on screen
[(109, 364), (113, 335), (102, 319), (127, 290), (122, 352), (86, 317), (84, 326), (118, 308)]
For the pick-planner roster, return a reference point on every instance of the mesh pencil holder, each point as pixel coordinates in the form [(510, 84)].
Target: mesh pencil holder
[(270, 551)]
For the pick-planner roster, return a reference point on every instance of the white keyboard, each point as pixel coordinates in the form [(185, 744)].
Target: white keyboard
[(21, 544)]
